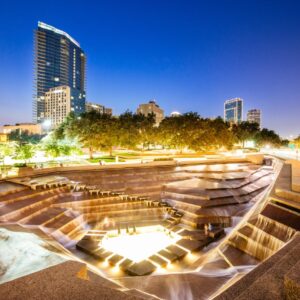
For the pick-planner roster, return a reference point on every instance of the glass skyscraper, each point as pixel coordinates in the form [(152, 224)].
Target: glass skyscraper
[(233, 110), (59, 61)]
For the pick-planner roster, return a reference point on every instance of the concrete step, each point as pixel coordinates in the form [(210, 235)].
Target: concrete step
[(261, 237), (235, 291), (282, 215), (273, 228), (290, 204), (18, 210), (20, 195), (249, 246), (237, 257), (288, 194), (60, 221), (68, 280), (271, 285), (45, 216)]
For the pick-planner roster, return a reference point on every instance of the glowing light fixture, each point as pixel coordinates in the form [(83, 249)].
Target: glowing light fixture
[(47, 123), (140, 245)]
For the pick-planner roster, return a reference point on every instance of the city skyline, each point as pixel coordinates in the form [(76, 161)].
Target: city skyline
[(187, 65)]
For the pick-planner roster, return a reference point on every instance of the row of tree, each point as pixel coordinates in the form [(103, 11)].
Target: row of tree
[(103, 132), (50, 146)]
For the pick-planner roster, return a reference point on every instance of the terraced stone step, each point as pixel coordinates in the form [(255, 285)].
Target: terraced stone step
[(45, 216), (271, 284), (61, 221), (111, 207), (12, 197), (251, 247), (293, 205), (145, 214), (288, 194), (92, 202), (260, 237), (19, 209), (271, 227), (236, 290), (202, 202), (7, 188), (246, 190), (200, 221), (282, 215), (237, 257)]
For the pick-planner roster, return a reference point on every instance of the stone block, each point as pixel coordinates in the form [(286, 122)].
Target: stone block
[(255, 158), (144, 267), (190, 245)]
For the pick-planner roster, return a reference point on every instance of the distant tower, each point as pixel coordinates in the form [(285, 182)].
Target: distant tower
[(59, 61), (149, 108), (254, 116), (233, 110)]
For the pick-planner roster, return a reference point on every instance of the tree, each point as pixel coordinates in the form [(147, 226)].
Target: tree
[(177, 132), (297, 144), (6, 149), (52, 149), (267, 137), (55, 147), (220, 134), (25, 152), (92, 130), (147, 129), (245, 131), (297, 141), (135, 129)]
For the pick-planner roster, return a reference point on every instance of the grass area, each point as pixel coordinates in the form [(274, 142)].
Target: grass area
[(127, 154), (105, 159)]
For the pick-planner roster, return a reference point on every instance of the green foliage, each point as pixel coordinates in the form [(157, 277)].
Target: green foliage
[(20, 165), (297, 141), (267, 137), (105, 159), (245, 131), (101, 132), (55, 147), (7, 149), (193, 132), (25, 152), (285, 143)]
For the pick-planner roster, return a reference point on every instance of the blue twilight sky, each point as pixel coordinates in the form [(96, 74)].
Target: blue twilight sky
[(188, 55)]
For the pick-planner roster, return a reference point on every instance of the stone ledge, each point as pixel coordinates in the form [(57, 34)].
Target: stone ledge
[(69, 280), (292, 283), (295, 166), (236, 290)]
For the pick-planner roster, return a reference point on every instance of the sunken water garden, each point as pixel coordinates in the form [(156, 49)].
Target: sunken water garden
[(216, 228)]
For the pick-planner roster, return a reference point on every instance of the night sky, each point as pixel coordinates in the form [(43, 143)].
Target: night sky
[(188, 55)]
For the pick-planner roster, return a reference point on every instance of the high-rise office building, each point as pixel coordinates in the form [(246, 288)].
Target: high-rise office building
[(59, 102), (149, 108), (59, 61), (254, 116), (233, 110)]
